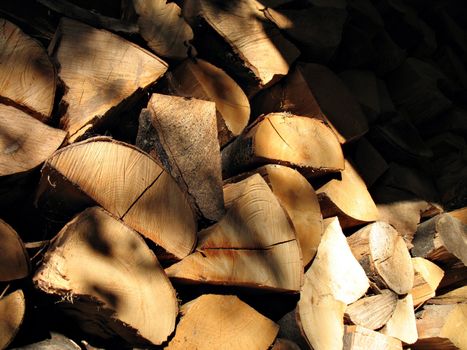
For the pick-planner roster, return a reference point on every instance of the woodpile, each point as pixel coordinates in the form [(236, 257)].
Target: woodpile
[(248, 174)]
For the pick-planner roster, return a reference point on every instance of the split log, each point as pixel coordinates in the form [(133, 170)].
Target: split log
[(56, 342), (414, 91), (284, 344), (360, 338), (304, 143), (460, 214), (24, 141), (12, 310), (347, 198), (316, 31), (402, 209), (200, 79), (456, 296), (14, 260), (222, 322), (385, 100), (372, 312), (127, 183), (426, 280), (254, 232), (181, 133), (442, 327), (369, 162), (162, 26), (91, 17), (364, 86), (366, 15), (260, 55), (109, 280), (299, 200), (27, 75), (328, 288), (402, 324), (99, 74), (398, 139), (384, 256), (451, 65), (442, 239)]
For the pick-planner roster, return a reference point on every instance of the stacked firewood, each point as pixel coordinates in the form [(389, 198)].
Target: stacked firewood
[(243, 174)]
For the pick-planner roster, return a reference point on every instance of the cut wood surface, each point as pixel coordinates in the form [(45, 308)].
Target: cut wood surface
[(345, 117), (163, 27), (127, 183), (361, 338), (460, 214), (181, 133), (12, 309), (27, 75), (14, 260), (254, 232), (328, 287), (442, 239), (24, 141), (299, 200), (109, 280), (370, 163), (458, 295), (384, 256), (442, 327), (347, 198), (374, 311), (304, 143), (316, 31), (426, 280), (200, 79), (222, 322), (401, 209), (304, 92), (99, 74), (402, 324), (262, 51)]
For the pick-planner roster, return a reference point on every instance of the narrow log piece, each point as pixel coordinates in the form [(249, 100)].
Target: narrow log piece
[(304, 143), (12, 310), (109, 280), (316, 31), (300, 202), (24, 141), (99, 73), (442, 239), (456, 296), (163, 27), (361, 338), (27, 75), (254, 232), (334, 279), (305, 91), (260, 54), (222, 322), (347, 198), (181, 133), (372, 312), (384, 256), (14, 260), (426, 280), (126, 182), (200, 79), (460, 214), (402, 324), (442, 327)]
